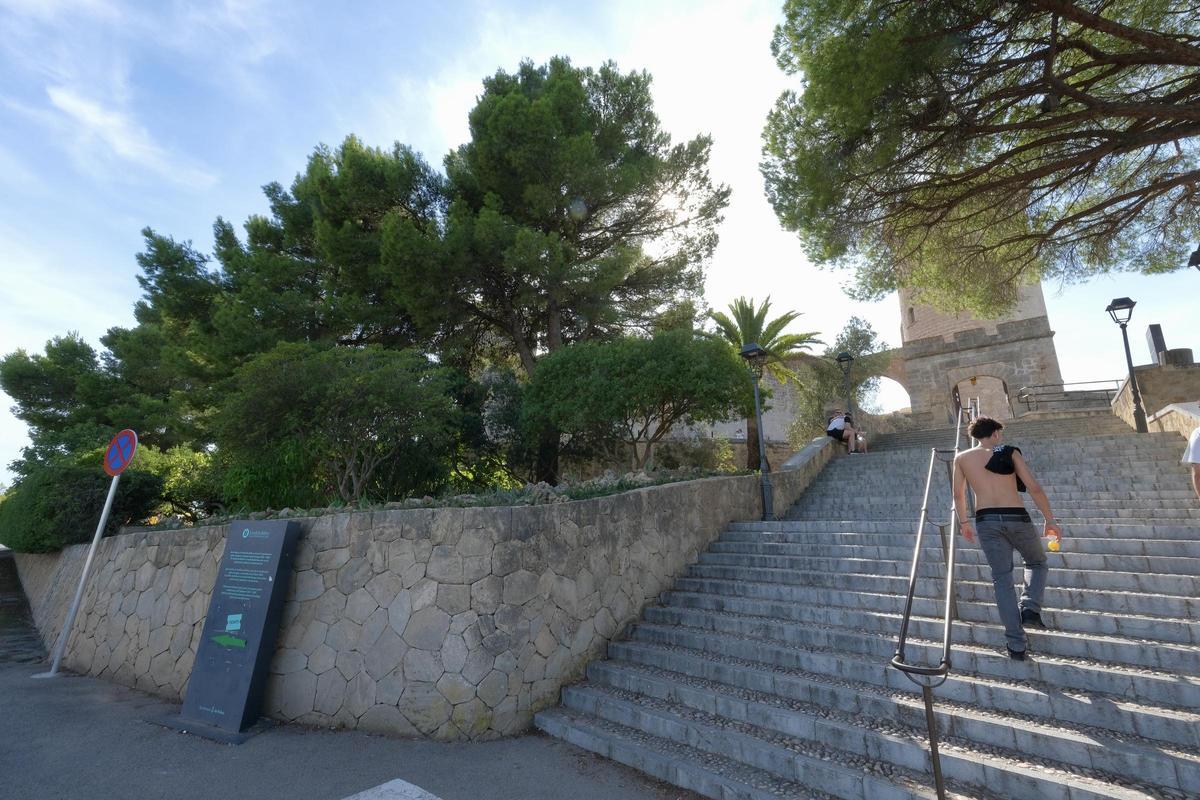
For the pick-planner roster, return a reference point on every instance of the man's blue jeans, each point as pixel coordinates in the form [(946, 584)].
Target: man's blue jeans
[(998, 537)]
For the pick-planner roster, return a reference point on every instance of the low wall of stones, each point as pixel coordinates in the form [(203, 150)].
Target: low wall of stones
[(1160, 386), (450, 623), (1181, 418)]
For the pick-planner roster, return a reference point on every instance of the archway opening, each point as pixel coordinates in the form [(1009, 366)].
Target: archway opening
[(992, 393), (887, 397)]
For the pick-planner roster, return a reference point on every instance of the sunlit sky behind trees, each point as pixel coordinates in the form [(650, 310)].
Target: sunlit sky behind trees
[(116, 116)]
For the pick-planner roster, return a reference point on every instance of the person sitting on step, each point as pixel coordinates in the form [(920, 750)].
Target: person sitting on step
[(997, 473), (840, 428)]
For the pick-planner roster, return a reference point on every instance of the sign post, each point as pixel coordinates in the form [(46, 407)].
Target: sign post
[(116, 458)]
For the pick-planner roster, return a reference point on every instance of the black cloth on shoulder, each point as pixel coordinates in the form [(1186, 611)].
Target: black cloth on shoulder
[(1001, 463)]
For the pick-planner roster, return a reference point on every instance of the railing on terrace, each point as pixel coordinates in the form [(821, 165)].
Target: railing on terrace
[(1068, 396)]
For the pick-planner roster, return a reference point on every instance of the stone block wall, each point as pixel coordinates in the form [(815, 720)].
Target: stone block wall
[(1181, 418), (1160, 386), (1020, 353), (447, 623)]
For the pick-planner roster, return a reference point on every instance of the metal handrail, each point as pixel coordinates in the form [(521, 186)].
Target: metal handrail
[(926, 676), (1058, 392)]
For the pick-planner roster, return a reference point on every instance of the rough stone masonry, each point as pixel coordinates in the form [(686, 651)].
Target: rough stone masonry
[(450, 623)]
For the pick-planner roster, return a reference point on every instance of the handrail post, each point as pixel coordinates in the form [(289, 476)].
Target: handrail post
[(925, 676), (935, 757)]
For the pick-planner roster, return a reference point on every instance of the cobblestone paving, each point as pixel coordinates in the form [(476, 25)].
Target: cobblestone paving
[(19, 640)]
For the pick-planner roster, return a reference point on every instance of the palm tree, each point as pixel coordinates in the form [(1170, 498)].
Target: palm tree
[(746, 324)]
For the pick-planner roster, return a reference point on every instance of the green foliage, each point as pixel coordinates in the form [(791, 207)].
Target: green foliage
[(353, 423), (823, 387), (311, 271), (708, 454), (638, 389), (567, 179), (64, 396), (569, 216), (190, 484), (746, 324), (58, 505), (963, 149)]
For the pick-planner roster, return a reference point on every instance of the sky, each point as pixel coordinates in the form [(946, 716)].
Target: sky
[(167, 114)]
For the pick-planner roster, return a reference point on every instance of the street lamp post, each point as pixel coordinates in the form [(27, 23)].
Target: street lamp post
[(1121, 309), (756, 358), (844, 360)]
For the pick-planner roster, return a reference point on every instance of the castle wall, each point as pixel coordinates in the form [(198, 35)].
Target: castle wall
[(1020, 353)]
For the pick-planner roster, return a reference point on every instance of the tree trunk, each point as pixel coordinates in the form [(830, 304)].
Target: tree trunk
[(546, 467), (751, 443)]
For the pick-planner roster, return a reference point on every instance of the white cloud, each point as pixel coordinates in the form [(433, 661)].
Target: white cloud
[(120, 135), (46, 10)]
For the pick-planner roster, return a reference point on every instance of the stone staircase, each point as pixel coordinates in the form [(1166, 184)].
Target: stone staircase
[(1031, 426), (763, 673)]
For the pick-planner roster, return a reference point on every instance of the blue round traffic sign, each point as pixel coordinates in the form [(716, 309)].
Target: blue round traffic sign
[(120, 452)]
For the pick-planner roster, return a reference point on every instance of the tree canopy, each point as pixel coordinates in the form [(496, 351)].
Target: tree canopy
[(571, 214), (963, 147), (373, 332), (746, 324), (823, 385), (639, 389)]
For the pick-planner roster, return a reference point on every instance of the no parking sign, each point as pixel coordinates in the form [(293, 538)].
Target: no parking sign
[(117, 457), (120, 452)]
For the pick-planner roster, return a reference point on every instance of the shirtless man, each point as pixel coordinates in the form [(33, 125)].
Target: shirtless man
[(996, 473)]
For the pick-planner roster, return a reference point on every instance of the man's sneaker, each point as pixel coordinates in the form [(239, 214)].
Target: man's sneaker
[(1032, 619), (1015, 655)]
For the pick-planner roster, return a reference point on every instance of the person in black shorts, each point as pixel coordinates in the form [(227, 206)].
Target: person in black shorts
[(841, 428)]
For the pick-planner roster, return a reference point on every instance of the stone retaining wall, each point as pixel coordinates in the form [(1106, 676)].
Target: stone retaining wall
[(1182, 418), (449, 623), (1160, 386)]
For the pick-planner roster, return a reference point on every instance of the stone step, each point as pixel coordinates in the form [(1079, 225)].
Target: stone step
[(1109, 528), (1132, 603), (1115, 601), (911, 510), (795, 747), (1072, 543), (1151, 686), (742, 619), (1126, 499), (1070, 632), (682, 766), (1050, 705), (1063, 574), (976, 749), (1078, 555)]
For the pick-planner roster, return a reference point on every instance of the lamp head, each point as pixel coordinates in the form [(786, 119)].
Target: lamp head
[(1121, 309), (755, 356)]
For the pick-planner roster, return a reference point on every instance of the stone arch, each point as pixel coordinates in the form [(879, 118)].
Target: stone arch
[(994, 387)]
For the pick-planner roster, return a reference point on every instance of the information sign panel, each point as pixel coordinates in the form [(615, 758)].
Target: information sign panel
[(230, 670)]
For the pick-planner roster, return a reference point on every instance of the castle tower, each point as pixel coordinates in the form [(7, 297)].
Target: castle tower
[(986, 358)]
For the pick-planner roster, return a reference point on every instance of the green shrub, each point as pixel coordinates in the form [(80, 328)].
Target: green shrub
[(709, 454), (60, 504)]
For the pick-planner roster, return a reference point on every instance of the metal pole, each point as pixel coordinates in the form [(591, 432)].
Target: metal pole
[(846, 390), (61, 647), (1139, 413), (935, 757), (767, 498)]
